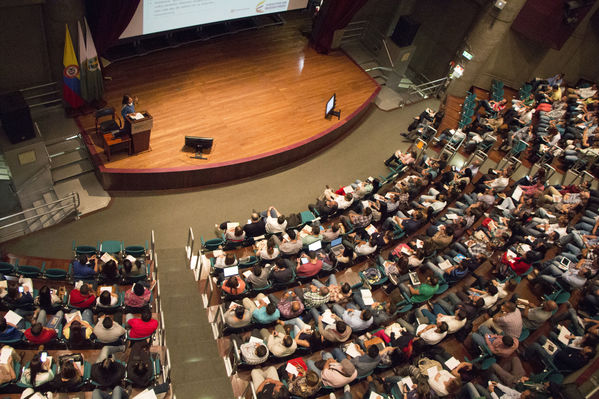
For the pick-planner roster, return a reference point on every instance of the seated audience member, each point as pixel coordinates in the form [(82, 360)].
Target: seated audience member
[(333, 232), (237, 316), (423, 293), (305, 386), (566, 358), (107, 299), (352, 316), (534, 317), (48, 300), (269, 251), (334, 333), (256, 227), (508, 320), (106, 372), (138, 297), (290, 305), (133, 270), (78, 330), (42, 331), (252, 353), (323, 208), (333, 373), (84, 267), (291, 244), (38, 373), (443, 383), (356, 220), (313, 236), (108, 331), (140, 370), (258, 278), (275, 221), (282, 272), (82, 298), (143, 326), (278, 342), (225, 260), (499, 345), (338, 293), (367, 361), (10, 332), (234, 234), (7, 370), (402, 159), (234, 285), (262, 312), (431, 334), (454, 321), (70, 376), (267, 384), (18, 297), (312, 266), (110, 271)]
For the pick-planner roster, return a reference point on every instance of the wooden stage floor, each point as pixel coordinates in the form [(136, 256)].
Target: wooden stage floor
[(260, 94)]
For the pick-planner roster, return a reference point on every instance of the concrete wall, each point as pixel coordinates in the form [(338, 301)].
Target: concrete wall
[(22, 45), (517, 59)]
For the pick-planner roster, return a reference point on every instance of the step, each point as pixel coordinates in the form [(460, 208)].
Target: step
[(44, 218), (62, 146), (69, 157), (72, 170)]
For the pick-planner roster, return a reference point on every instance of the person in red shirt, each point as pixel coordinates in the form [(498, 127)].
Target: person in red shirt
[(82, 298), (144, 327), (310, 268), (38, 334), (519, 264)]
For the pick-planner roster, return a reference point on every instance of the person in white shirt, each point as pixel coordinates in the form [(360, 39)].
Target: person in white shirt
[(432, 334), (274, 224)]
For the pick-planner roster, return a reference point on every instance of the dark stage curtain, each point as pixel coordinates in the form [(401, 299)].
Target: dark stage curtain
[(334, 14), (108, 19)]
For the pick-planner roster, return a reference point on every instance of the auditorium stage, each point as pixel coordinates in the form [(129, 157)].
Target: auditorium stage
[(260, 94)]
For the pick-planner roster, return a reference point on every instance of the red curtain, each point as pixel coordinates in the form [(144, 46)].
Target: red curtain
[(333, 15), (108, 19)]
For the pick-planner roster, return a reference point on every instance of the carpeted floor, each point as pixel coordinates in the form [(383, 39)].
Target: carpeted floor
[(198, 371)]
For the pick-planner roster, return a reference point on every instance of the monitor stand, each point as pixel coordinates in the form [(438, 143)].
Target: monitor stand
[(198, 154)]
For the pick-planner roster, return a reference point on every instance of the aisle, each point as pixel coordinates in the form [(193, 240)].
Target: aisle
[(199, 371)]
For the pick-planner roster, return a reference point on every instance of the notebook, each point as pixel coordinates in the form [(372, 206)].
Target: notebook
[(414, 278)]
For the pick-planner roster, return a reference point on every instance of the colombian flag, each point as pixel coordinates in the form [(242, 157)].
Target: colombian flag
[(71, 85)]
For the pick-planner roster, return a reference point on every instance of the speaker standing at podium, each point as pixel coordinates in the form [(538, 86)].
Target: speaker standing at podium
[(128, 107)]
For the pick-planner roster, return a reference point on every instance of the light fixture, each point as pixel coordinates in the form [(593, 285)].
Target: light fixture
[(499, 4)]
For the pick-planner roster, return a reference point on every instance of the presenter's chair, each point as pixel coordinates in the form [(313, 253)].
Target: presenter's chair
[(107, 121)]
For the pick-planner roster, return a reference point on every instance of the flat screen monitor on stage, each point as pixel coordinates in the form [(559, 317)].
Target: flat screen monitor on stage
[(154, 16)]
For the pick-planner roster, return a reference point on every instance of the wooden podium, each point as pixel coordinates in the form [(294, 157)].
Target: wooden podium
[(140, 131)]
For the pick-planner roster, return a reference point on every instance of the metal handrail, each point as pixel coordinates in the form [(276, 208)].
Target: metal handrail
[(38, 86), (33, 177), (74, 196)]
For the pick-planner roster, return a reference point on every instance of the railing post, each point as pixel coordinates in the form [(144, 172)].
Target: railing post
[(189, 247), (152, 246)]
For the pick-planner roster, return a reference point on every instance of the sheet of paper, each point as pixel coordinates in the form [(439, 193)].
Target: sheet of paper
[(3, 284), (327, 317), (370, 229), (106, 288), (12, 318), (419, 243), (131, 259), (445, 265), (71, 316), (550, 347), (352, 350), (451, 216), (406, 251), (247, 273), (366, 204), (432, 371), (367, 297), (517, 194), (255, 340), (452, 363), (348, 189), (231, 226), (217, 252), (106, 257), (375, 396), (291, 369), (510, 254), (147, 394), (5, 355), (407, 381), (563, 333)]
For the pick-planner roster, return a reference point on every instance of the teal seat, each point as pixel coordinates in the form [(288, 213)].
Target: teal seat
[(55, 274), (137, 251), (84, 249), (212, 244), (525, 334), (6, 268), (112, 247), (30, 271), (307, 217)]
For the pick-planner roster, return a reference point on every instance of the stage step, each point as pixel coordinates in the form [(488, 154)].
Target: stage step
[(72, 170), (69, 157)]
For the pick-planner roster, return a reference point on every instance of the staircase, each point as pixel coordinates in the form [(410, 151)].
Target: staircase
[(46, 211), (68, 158)]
